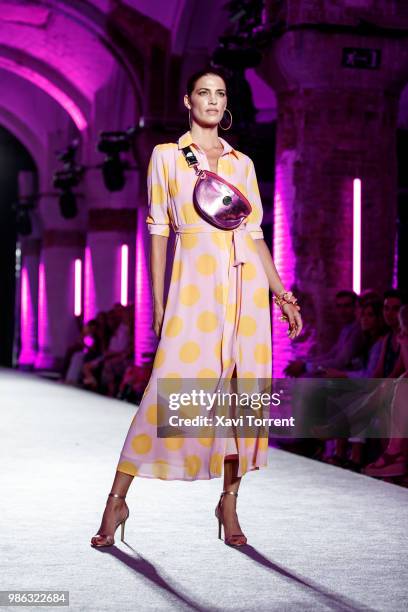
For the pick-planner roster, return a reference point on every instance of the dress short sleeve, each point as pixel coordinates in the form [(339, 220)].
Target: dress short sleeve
[(254, 220), (158, 221)]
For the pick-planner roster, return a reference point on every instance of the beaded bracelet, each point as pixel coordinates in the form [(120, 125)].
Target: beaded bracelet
[(285, 297)]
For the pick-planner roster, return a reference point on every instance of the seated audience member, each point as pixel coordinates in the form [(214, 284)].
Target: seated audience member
[(373, 328), (73, 348), (349, 344), (393, 461), (134, 382), (120, 353), (104, 332), (119, 339), (374, 406), (88, 349), (104, 369), (368, 295), (389, 363)]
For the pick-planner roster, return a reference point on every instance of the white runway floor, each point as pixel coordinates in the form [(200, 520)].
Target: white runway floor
[(320, 538)]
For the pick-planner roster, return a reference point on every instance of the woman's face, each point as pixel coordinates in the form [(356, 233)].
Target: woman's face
[(368, 319), (403, 341), (403, 334), (208, 101)]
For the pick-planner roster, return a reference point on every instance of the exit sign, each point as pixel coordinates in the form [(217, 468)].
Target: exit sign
[(355, 57)]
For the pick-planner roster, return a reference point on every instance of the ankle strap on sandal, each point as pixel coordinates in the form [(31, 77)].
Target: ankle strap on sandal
[(116, 495), (229, 493)]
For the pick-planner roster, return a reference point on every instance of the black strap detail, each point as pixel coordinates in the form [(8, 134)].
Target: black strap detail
[(190, 157)]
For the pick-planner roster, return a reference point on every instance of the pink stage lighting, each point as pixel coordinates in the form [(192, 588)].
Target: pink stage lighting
[(42, 308), (124, 269), (50, 88), (27, 354), (89, 287), (78, 288), (357, 236)]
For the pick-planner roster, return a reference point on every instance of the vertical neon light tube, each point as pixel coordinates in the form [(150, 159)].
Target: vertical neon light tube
[(124, 270), (27, 353), (89, 286), (42, 308), (357, 236), (78, 288)]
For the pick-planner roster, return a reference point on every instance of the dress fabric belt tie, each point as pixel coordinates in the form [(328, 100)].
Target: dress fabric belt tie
[(240, 257), (238, 237)]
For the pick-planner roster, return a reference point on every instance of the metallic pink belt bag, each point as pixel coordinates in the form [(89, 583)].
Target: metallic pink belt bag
[(216, 200)]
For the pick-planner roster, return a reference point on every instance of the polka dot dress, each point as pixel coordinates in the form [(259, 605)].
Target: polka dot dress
[(217, 315)]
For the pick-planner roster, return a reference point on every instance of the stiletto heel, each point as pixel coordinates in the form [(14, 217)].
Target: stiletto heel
[(122, 530), (237, 539), (108, 539)]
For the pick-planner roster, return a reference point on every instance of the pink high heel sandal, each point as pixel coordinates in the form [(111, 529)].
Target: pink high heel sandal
[(237, 539), (108, 539)]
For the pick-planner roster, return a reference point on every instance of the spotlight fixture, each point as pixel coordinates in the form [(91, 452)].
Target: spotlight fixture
[(240, 46), (64, 180), (113, 166)]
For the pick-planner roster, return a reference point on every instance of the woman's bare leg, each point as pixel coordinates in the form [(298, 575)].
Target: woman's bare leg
[(229, 502), (116, 508), (231, 483)]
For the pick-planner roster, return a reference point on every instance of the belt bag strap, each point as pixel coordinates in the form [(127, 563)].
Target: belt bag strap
[(191, 159)]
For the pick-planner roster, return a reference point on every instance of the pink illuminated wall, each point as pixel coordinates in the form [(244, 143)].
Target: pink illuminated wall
[(284, 259), (27, 354), (143, 301), (50, 88)]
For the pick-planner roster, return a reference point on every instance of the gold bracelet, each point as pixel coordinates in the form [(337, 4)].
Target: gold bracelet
[(285, 297)]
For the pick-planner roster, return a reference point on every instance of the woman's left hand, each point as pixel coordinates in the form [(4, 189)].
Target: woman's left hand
[(295, 319)]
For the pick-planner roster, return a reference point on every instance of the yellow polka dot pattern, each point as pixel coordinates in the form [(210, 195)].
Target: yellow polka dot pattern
[(189, 295), (141, 444), (206, 264), (174, 326), (207, 321), (189, 241), (177, 270), (189, 352)]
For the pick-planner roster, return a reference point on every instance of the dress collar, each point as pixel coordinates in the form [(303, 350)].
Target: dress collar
[(186, 140)]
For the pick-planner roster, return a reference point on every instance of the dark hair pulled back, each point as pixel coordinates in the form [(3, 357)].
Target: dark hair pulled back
[(193, 78)]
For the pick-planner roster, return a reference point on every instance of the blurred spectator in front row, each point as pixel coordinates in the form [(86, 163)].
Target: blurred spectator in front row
[(121, 355), (373, 328), (393, 461), (384, 361), (111, 364), (134, 381), (389, 363), (349, 344), (87, 349)]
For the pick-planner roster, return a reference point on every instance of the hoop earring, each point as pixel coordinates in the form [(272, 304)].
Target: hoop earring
[(226, 128)]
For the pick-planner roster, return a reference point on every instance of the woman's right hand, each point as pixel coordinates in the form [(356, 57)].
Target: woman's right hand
[(158, 314)]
